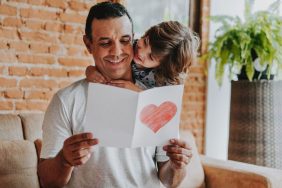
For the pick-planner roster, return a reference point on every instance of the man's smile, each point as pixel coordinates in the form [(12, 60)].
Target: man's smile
[(118, 61)]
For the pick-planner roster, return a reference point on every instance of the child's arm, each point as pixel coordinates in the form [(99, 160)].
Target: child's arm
[(93, 75), (125, 84)]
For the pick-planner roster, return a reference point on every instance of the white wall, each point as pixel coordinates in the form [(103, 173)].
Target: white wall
[(218, 98)]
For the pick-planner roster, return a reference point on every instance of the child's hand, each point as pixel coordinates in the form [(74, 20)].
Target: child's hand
[(125, 84), (93, 75)]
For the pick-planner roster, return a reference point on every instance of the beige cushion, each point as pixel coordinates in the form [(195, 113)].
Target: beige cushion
[(10, 127), (18, 164), (32, 126)]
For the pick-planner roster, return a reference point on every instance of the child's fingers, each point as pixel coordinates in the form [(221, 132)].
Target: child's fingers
[(93, 75), (118, 81), (117, 84), (99, 77)]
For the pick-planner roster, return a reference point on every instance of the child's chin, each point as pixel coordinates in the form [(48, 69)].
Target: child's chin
[(138, 64), (137, 61)]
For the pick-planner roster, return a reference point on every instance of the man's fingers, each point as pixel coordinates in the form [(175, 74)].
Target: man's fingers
[(100, 78), (179, 164), (82, 160), (179, 157), (177, 150), (83, 144), (78, 138), (81, 153), (180, 143)]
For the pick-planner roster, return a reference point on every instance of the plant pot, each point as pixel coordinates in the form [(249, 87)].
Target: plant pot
[(257, 75), (256, 123)]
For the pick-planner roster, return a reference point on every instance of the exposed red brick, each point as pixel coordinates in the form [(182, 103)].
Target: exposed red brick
[(39, 48), (19, 46), (7, 57), (12, 22), (31, 105), (13, 93), (36, 2), (76, 18), (36, 59), (76, 73), (57, 3), (44, 95), (7, 82), (18, 71), (77, 6), (37, 83), (54, 49), (38, 14), (53, 26), (5, 105), (8, 10), (8, 33), (37, 36), (75, 62), (34, 25), (1, 70)]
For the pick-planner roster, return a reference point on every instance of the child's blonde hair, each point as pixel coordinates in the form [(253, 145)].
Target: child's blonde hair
[(175, 46)]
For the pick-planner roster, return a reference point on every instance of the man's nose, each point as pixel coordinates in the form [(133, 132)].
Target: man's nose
[(116, 49)]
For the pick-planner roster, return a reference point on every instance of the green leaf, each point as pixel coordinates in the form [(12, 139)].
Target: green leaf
[(238, 43), (250, 69)]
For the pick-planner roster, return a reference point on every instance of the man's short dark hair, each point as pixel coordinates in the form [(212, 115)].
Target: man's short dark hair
[(104, 10)]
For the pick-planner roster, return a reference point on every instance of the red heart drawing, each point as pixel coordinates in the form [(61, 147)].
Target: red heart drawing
[(156, 117)]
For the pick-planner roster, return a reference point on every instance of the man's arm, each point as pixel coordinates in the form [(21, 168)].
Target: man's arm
[(56, 172), (173, 171)]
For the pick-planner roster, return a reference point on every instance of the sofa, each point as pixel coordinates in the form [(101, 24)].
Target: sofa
[(20, 147)]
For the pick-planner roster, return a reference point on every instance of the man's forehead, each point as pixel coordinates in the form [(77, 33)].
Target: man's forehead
[(120, 26)]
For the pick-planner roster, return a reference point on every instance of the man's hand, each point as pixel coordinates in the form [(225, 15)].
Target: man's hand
[(179, 152), (125, 84), (93, 75), (77, 149)]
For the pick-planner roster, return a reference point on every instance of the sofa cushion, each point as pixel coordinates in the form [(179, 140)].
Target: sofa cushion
[(18, 164), (32, 126), (10, 127)]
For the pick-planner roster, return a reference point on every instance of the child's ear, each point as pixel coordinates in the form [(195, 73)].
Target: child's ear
[(87, 43)]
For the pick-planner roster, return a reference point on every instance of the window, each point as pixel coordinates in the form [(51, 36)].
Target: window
[(147, 13)]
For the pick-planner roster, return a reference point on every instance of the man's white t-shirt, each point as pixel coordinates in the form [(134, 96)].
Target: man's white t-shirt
[(107, 167)]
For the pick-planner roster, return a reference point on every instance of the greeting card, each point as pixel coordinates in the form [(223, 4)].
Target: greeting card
[(120, 117)]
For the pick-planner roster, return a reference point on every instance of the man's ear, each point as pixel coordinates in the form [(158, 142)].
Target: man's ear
[(87, 43)]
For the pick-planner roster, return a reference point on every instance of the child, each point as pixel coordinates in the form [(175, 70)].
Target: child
[(161, 57)]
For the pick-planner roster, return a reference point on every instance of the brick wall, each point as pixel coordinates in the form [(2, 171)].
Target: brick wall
[(42, 50), (194, 100)]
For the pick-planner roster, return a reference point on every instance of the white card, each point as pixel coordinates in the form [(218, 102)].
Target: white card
[(123, 118)]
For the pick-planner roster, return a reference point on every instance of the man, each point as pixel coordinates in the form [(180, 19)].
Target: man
[(69, 156)]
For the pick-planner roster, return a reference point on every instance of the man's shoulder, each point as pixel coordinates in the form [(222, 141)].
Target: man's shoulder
[(76, 89)]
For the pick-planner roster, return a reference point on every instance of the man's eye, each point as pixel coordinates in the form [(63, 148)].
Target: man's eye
[(125, 41), (104, 44)]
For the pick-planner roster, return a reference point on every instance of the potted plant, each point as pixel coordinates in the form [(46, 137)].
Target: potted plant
[(250, 47), (252, 51)]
